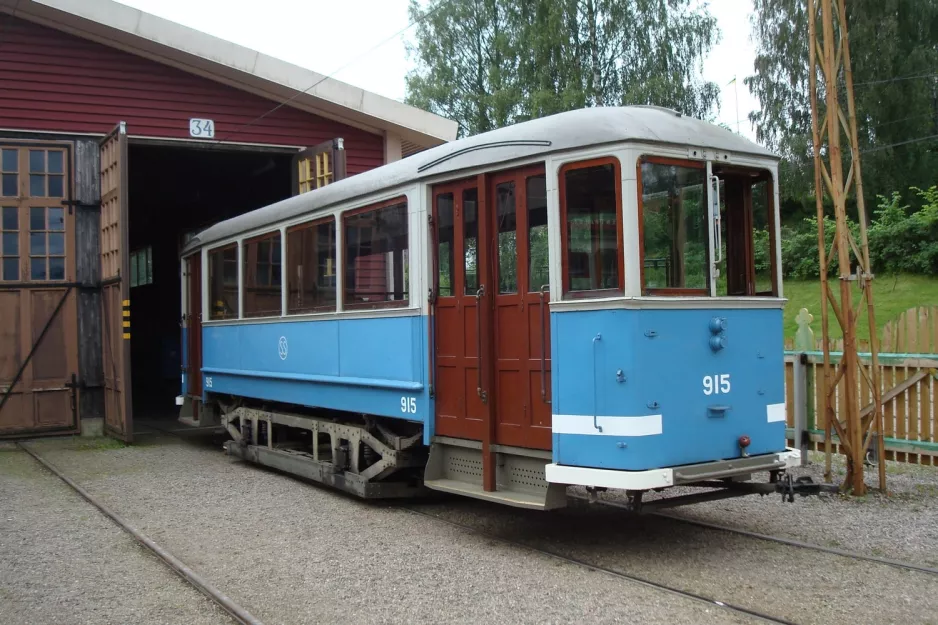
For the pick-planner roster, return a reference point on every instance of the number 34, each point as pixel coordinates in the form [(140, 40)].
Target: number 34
[(716, 384), (409, 405)]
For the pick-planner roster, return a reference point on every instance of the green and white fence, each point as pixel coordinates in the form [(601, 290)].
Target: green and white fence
[(908, 361)]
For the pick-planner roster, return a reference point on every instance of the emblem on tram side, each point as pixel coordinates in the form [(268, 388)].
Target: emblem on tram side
[(282, 348)]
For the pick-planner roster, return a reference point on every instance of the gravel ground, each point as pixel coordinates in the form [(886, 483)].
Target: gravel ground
[(792, 583), (903, 526), (291, 552), (65, 562)]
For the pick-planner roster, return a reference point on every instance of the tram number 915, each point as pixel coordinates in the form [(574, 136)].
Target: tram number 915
[(409, 405), (716, 384)]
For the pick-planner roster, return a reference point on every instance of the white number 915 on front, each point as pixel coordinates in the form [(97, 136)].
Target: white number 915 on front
[(409, 405), (716, 384)]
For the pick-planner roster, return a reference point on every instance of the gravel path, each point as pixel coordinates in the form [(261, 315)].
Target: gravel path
[(63, 562), (903, 526), (791, 583), (291, 552)]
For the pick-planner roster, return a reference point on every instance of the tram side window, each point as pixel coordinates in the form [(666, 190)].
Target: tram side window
[(376, 263), (675, 235), (591, 212), (445, 232), (311, 258), (538, 255), (262, 276), (223, 282)]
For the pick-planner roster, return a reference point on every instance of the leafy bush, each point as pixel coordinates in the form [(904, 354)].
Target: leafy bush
[(899, 241), (902, 242)]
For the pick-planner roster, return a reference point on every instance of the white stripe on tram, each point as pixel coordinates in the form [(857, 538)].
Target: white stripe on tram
[(775, 413), (648, 425)]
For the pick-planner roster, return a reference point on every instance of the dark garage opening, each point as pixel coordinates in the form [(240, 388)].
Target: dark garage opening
[(175, 192)]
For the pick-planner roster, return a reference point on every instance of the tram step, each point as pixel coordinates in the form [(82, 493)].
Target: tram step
[(456, 467)]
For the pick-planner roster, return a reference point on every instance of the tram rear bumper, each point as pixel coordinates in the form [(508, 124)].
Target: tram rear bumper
[(671, 476)]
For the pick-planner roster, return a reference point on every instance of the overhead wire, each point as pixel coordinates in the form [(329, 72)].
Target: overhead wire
[(358, 58), (895, 145), (895, 79)]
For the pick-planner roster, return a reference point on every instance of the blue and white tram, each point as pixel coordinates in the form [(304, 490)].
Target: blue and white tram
[(573, 300)]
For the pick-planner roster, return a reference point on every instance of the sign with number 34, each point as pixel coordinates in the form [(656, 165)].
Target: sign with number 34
[(202, 128)]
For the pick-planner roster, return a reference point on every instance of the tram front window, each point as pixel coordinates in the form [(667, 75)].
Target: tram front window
[(677, 249), (675, 233)]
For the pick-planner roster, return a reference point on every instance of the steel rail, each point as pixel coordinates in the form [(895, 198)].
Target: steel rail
[(612, 572), (909, 566), (197, 581)]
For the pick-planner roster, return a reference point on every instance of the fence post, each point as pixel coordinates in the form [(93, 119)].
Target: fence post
[(800, 379), (804, 342)]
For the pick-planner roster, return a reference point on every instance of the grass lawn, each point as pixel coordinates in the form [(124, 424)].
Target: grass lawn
[(892, 295)]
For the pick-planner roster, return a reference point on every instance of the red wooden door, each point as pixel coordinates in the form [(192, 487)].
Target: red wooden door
[(521, 323), (497, 249), (460, 411), (194, 325)]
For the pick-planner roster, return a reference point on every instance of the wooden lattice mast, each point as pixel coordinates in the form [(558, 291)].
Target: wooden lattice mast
[(829, 53)]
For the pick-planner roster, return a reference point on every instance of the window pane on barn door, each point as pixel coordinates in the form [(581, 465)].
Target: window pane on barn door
[(11, 269), (9, 244), (9, 168), (9, 160)]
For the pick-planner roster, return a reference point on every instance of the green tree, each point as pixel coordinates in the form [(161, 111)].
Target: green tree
[(894, 54), (490, 63)]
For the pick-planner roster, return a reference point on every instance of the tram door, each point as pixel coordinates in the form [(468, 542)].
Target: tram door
[(460, 410), (193, 321), (492, 272)]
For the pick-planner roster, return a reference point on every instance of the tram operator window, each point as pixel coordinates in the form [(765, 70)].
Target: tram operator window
[(311, 257), (591, 213), (223, 282), (675, 232), (376, 263)]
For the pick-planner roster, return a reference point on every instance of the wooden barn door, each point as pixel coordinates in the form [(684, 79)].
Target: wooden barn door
[(38, 308), (115, 277), (318, 166)]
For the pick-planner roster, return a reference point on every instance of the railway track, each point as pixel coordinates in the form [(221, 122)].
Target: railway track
[(233, 609), (712, 600), (790, 542), (909, 566), (635, 579)]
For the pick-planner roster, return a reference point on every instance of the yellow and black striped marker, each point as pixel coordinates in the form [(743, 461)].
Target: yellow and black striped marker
[(126, 307)]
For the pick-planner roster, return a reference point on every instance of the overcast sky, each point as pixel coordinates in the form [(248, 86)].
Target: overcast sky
[(306, 32)]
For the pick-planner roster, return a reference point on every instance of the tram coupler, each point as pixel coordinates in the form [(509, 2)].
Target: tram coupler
[(803, 486)]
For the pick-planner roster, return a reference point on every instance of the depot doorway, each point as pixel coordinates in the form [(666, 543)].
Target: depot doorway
[(175, 191)]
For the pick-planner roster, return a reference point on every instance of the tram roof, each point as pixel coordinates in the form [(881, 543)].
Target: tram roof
[(570, 130)]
